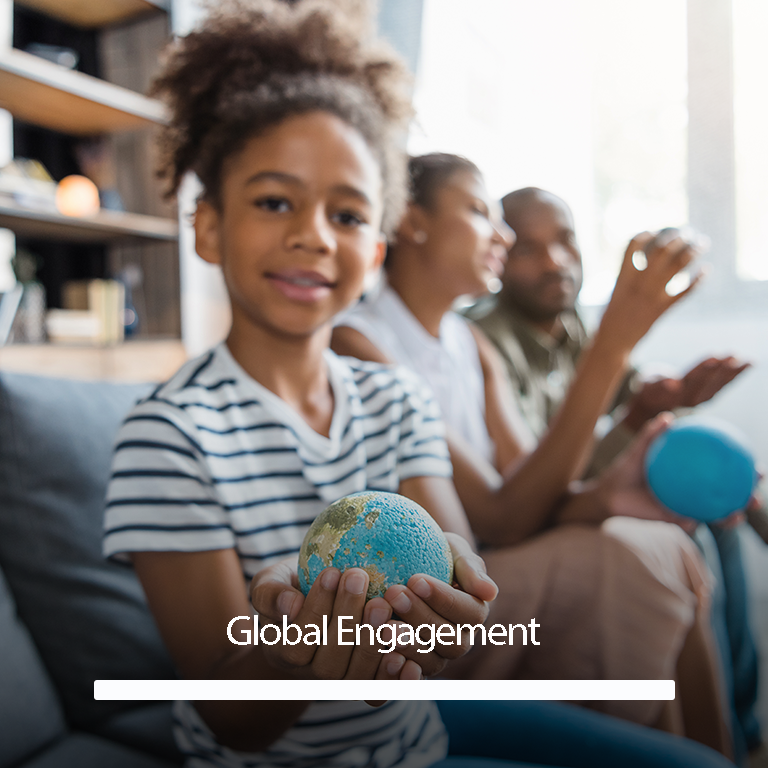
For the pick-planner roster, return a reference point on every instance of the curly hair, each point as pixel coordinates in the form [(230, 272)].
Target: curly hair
[(253, 63)]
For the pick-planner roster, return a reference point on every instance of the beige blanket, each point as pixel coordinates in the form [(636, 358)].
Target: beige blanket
[(614, 602)]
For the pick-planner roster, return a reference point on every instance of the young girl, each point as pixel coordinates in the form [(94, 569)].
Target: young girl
[(293, 126), (611, 609)]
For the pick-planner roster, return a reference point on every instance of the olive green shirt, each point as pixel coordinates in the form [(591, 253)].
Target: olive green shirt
[(541, 368)]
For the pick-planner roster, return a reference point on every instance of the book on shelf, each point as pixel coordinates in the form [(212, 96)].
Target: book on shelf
[(94, 312)]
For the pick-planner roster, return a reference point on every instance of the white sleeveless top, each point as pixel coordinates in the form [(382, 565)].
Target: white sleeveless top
[(450, 364)]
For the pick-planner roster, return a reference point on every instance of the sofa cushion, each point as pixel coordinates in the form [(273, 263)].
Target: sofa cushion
[(88, 617), (81, 750), (30, 713), (149, 729)]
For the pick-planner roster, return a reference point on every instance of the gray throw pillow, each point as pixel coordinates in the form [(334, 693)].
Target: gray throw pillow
[(88, 617)]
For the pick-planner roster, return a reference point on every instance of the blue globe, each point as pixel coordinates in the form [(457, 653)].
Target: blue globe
[(701, 469), (387, 535)]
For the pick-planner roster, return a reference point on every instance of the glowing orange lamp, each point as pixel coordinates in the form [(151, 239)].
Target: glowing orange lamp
[(77, 196)]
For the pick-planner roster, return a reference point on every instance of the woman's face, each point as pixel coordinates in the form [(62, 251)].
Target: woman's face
[(467, 239), (298, 228)]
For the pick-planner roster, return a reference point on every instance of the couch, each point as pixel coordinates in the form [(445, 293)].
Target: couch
[(67, 616)]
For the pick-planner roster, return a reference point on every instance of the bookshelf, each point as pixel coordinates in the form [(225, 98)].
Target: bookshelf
[(40, 93), (103, 227), (45, 94)]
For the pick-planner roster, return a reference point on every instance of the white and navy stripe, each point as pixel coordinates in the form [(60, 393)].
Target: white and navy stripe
[(213, 460), (330, 734)]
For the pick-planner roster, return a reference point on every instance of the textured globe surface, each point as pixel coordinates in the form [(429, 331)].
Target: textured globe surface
[(387, 535), (701, 469)]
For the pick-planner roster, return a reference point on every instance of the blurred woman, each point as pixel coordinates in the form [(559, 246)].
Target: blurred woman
[(616, 596)]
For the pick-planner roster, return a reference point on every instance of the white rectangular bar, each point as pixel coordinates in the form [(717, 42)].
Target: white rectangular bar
[(373, 690)]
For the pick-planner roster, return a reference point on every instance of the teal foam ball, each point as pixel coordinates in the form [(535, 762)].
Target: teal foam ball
[(701, 469), (387, 535)]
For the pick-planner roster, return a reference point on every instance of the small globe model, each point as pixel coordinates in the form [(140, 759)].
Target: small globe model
[(701, 469), (387, 535)]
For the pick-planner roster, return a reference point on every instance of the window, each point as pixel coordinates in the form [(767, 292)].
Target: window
[(639, 115), (750, 22)]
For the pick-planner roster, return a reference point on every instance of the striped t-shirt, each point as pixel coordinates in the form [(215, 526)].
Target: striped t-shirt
[(213, 460)]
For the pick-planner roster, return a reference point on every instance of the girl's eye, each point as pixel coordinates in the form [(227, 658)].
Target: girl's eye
[(273, 204), (349, 219)]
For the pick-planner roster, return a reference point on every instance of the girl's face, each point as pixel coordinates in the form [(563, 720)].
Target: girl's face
[(467, 240), (298, 228)]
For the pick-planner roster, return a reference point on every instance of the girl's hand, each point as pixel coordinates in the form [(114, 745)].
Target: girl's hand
[(275, 593), (426, 600), (640, 296)]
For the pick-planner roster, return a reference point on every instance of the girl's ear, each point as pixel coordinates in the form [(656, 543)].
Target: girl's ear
[(381, 254), (373, 272), (207, 232), (413, 226)]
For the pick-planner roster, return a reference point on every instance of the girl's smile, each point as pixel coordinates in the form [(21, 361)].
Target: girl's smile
[(301, 284)]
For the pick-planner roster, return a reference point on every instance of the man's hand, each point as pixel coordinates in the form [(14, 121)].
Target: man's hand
[(622, 487), (667, 394), (706, 379)]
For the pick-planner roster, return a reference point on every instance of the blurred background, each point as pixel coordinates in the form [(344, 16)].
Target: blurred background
[(640, 116)]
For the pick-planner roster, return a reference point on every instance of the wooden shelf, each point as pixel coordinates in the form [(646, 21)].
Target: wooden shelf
[(140, 360), (45, 94), (95, 13), (103, 227)]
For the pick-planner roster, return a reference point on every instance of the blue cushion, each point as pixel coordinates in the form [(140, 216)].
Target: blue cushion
[(88, 617), (30, 714)]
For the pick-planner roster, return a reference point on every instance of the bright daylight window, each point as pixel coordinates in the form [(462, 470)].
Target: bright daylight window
[(589, 100), (750, 20)]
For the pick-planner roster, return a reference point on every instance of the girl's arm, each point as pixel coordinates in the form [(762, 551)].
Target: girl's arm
[(507, 509), (524, 500), (193, 597)]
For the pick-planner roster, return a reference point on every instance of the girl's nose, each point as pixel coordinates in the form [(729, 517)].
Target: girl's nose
[(312, 231)]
